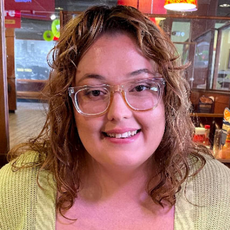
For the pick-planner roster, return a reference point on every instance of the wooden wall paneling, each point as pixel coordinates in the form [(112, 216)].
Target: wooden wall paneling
[(11, 69), (12, 99), (4, 115), (222, 100)]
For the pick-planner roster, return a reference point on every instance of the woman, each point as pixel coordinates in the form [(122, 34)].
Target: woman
[(116, 151)]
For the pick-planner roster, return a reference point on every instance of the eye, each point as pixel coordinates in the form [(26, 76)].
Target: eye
[(95, 93), (140, 88)]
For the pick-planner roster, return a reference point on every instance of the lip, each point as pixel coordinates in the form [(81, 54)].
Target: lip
[(126, 140), (117, 131)]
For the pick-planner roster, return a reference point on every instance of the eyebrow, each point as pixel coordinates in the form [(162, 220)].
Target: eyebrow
[(100, 77), (92, 76), (140, 71)]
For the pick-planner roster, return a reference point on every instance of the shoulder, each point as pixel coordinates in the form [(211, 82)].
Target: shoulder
[(212, 185), (214, 174), (18, 170), (21, 197), (204, 200)]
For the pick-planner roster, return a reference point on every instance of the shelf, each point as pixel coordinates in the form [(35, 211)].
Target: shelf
[(30, 80), (29, 95), (206, 115), (225, 161)]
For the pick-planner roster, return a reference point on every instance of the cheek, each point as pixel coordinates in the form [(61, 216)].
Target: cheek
[(155, 124), (87, 127), (157, 116), (82, 125)]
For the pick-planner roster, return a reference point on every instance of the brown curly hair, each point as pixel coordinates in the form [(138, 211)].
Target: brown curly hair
[(60, 148)]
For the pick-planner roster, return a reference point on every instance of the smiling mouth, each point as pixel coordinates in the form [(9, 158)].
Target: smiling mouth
[(122, 135)]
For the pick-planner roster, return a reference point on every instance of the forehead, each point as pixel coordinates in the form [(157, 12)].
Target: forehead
[(113, 56)]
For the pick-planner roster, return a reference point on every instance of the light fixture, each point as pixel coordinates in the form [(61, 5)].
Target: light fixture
[(224, 5), (182, 5), (53, 16)]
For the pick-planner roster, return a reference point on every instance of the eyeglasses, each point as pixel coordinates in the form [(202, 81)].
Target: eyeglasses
[(139, 95)]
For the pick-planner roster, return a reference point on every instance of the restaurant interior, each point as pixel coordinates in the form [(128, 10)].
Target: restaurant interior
[(29, 29)]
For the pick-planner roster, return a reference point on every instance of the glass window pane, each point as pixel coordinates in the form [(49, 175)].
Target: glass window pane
[(223, 78), (180, 31), (31, 59)]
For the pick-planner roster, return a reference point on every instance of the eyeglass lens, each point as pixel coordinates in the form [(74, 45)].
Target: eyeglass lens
[(142, 95)]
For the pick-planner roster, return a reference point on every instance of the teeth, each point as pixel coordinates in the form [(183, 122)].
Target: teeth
[(122, 135)]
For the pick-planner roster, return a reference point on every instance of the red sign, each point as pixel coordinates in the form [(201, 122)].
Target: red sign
[(12, 19), (33, 5), (41, 15)]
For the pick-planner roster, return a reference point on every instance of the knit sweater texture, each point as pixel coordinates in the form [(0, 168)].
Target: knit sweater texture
[(203, 203)]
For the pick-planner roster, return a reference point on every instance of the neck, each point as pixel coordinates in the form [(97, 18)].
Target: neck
[(103, 182)]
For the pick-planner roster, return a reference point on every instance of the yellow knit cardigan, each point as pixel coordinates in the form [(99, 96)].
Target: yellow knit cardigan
[(204, 205)]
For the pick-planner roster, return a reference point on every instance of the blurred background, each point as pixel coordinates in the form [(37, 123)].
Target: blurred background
[(32, 27)]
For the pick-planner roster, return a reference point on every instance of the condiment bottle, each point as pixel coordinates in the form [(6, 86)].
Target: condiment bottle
[(225, 153), (212, 134), (217, 144), (199, 135), (207, 132)]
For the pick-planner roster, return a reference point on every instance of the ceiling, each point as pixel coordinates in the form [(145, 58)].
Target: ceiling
[(33, 29)]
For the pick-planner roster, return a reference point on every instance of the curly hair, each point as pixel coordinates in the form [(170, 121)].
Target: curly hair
[(60, 148)]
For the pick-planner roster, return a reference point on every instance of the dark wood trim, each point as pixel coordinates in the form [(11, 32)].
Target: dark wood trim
[(3, 160), (12, 100), (206, 115), (183, 16), (4, 115), (187, 16), (224, 92)]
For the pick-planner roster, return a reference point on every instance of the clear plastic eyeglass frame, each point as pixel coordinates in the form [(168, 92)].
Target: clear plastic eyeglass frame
[(139, 95)]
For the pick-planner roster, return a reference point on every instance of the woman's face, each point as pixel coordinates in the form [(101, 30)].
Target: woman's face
[(114, 59)]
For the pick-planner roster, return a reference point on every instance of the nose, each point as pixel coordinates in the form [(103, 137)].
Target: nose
[(118, 109)]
